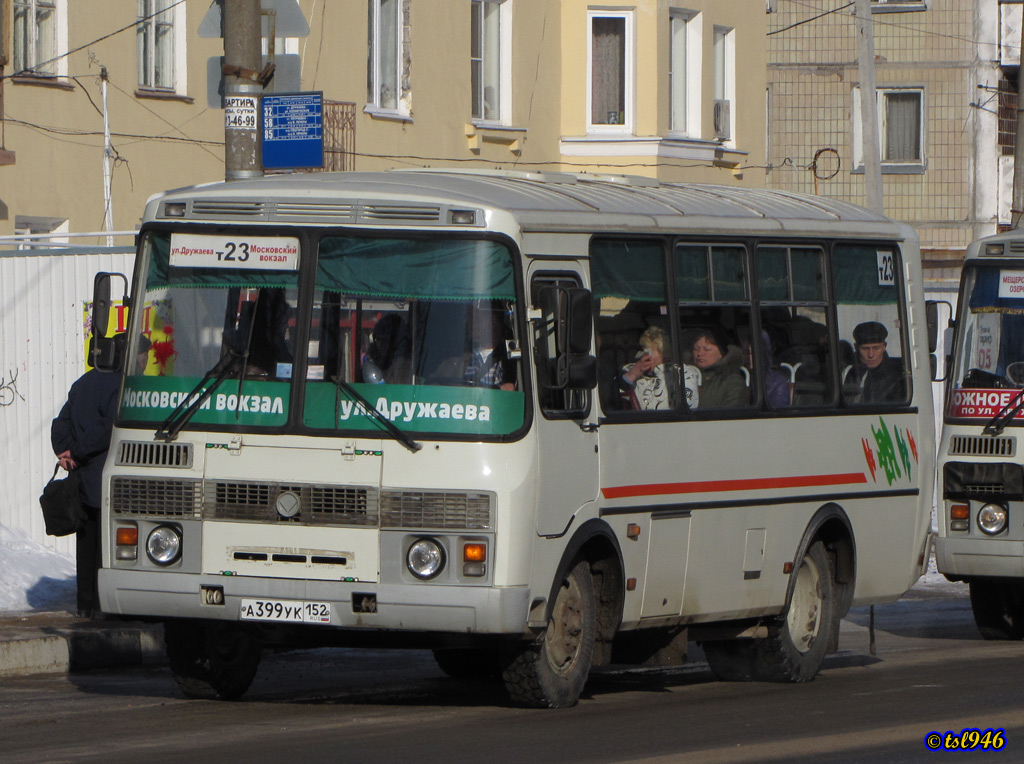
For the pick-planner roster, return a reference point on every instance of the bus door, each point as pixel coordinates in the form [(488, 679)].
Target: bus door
[(566, 432)]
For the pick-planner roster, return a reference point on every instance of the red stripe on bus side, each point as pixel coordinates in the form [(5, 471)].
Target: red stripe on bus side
[(720, 486)]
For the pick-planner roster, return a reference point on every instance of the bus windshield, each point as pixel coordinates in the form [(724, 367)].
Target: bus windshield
[(422, 329), (988, 363)]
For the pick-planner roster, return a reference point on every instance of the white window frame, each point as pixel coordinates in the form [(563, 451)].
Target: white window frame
[(898, 6), (629, 74), (503, 54), (724, 75), (376, 57), (692, 36), (888, 166), (28, 53), (179, 54)]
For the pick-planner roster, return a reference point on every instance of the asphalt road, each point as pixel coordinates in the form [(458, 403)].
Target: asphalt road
[(931, 672)]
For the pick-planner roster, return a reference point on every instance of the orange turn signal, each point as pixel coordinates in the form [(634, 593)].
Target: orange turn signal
[(128, 536), (474, 552), (960, 512)]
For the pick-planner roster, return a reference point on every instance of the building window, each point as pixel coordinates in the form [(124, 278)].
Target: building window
[(388, 65), (610, 86), (155, 43), (490, 66), (900, 129), (724, 57), (901, 126), (684, 72), (39, 32), (898, 6)]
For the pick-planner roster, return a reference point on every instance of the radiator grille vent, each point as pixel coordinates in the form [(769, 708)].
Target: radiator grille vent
[(140, 454), (436, 509), (318, 504), (982, 445), (155, 497)]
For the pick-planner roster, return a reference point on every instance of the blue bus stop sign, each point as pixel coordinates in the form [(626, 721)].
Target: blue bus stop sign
[(292, 129)]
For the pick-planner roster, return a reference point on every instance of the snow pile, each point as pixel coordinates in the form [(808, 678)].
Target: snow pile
[(33, 577)]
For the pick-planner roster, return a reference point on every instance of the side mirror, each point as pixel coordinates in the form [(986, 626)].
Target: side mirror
[(568, 318), (105, 353), (580, 321)]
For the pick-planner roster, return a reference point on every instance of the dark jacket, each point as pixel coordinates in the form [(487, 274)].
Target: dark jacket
[(722, 384), (83, 427), (884, 383)]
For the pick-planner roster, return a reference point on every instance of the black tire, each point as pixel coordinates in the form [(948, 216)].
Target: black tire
[(731, 660), (211, 660), (798, 641), (998, 608), (550, 672), (469, 663)]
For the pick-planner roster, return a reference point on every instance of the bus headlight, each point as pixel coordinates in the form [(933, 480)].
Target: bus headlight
[(992, 519), (425, 558), (164, 545)]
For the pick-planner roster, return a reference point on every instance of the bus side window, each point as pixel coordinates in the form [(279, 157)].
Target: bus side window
[(638, 365), (715, 314), (869, 313), (794, 315)]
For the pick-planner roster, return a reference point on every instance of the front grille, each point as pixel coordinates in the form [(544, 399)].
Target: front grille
[(132, 453), (318, 504), (447, 510), (984, 488), (155, 497), (982, 445)]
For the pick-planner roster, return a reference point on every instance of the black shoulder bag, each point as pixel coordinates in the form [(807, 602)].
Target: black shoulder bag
[(63, 512)]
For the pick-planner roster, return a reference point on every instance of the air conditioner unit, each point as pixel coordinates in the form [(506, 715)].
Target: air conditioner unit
[(723, 120)]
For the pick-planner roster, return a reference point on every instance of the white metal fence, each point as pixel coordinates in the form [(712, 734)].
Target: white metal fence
[(43, 298)]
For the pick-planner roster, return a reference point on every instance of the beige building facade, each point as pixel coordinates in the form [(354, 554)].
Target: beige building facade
[(938, 76), (674, 92)]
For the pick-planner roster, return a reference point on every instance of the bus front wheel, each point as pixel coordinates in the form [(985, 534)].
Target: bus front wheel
[(797, 642), (998, 608), (550, 671), (211, 660)]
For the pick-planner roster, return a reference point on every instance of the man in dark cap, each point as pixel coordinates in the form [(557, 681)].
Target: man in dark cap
[(879, 377)]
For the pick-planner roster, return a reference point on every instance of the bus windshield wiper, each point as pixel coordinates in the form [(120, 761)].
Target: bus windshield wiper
[(1005, 415), (190, 404), (395, 432)]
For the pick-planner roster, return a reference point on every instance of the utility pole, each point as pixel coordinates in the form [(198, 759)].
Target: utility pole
[(108, 155), (1017, 202), (868, 106), (242, 58)]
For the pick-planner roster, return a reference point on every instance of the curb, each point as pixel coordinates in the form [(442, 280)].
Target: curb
[(29, 647)]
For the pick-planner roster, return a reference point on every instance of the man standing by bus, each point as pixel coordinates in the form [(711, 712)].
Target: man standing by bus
[(879, 377)]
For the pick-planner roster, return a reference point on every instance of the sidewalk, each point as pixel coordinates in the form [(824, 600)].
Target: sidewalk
[(58, 642)]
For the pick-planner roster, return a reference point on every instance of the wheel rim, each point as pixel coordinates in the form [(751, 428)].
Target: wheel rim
[(804, 617), (564, 636)]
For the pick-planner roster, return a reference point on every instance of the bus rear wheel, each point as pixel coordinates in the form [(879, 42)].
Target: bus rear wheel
[(211, 660), (468, 662), (550, 671), (797, 642), (998, 608)]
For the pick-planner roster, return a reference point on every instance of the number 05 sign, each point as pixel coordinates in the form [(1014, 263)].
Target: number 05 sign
[(268, 253)]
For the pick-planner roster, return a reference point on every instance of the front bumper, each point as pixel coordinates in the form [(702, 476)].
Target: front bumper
[(405, 607), (980, 557)]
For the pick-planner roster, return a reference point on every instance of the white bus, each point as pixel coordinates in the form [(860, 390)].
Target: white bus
[(980, 534), (537, 423)]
